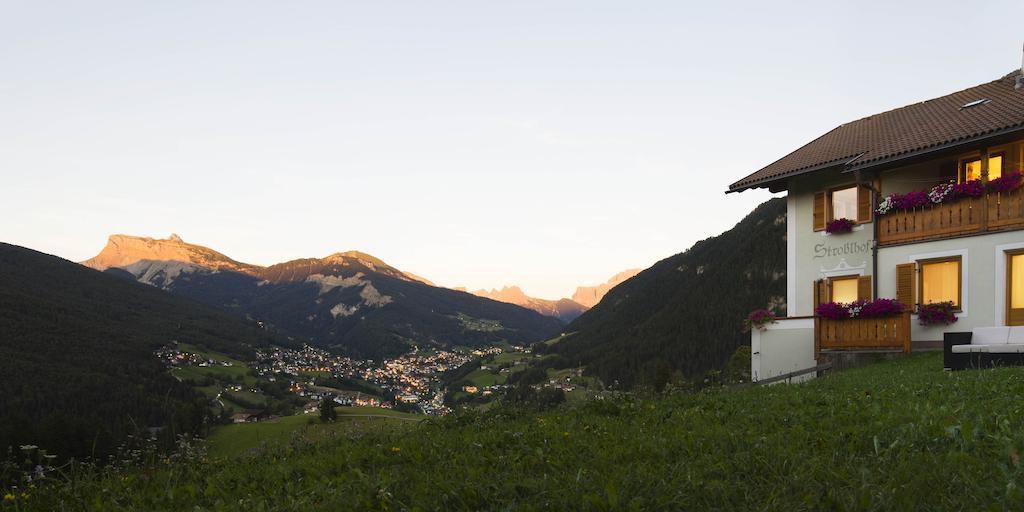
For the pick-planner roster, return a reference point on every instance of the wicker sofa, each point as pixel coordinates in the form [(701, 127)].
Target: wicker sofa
[(984, 347)]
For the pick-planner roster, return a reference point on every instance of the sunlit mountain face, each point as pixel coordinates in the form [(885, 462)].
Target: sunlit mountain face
[(565, 310), (348, 301)]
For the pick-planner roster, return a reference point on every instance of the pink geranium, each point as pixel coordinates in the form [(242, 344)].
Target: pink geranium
[(1005, 183), (839, 226)]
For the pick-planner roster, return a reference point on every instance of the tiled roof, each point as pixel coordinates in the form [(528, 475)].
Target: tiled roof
[(903, 132)]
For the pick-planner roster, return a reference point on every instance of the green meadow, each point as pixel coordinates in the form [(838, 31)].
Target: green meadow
[(242, 438), (897, 435)]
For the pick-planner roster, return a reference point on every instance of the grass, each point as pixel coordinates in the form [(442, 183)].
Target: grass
[(242, 438), (898, 435), (484, 378), (510, 357), (221, 373), (216, 356)]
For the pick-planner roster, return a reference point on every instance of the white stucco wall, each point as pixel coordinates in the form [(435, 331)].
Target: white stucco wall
[(783, 347), (983, 277), (813, 255)]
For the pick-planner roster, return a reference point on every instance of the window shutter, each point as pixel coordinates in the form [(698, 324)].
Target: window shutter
[(906, 274), (819, 211), (863, 204), (820, 292), (864, 288)]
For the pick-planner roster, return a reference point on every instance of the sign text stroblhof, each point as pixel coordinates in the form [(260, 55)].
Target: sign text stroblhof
[(828, 251)]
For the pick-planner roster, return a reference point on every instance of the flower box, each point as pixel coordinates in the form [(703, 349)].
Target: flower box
[(859, 309), (839, 226)]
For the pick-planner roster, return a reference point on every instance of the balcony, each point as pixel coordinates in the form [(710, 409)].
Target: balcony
[(971, 216), (885, 333)]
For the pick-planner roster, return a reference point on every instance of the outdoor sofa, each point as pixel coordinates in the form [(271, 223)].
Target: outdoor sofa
[(984, 347)]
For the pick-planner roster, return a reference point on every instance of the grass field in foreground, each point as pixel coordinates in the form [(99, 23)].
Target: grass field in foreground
[(897, 435), (239, 438)]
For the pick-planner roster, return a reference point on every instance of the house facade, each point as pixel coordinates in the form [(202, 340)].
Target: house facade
[(921, 204)]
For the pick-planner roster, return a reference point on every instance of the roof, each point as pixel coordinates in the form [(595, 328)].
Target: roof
[(903, 132)]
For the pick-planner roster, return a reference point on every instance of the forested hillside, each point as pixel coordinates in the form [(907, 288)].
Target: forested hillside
[(77, 366), (682, 316)]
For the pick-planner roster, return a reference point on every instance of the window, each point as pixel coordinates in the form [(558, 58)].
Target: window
[(1015, 288), (849, 202), (940, 281), (971, 169), (844, 203), (844, 289)]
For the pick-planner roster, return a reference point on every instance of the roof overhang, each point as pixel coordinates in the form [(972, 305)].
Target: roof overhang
[(779, 183)]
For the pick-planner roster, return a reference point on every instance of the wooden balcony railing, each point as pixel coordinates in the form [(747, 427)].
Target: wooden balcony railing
[(891, 332), (972, 216)]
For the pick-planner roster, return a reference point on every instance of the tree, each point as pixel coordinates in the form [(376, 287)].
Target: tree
[(327, 412)]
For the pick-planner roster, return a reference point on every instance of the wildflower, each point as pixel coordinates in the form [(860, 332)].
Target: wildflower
[(395, 449), (9, 497)]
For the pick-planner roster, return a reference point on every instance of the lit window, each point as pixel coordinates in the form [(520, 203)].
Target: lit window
[(972, 168), (844, 289), (940, 281), (1017, 281), (844, 203)]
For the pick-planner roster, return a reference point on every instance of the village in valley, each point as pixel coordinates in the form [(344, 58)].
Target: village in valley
[(283, 381)]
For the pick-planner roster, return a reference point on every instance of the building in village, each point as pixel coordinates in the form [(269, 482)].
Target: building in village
[(921, 204)]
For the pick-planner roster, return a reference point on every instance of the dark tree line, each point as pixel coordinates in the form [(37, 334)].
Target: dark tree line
[(682, 317), (78, 373)]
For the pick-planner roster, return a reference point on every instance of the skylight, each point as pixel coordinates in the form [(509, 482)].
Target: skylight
[(975, 103)]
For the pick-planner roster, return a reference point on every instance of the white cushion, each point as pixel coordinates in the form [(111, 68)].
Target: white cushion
[(963, 349), (1016, 335), (1006, 349), (990, 335)]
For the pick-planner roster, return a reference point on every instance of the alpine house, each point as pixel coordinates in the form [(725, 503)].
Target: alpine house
[(922, 205)]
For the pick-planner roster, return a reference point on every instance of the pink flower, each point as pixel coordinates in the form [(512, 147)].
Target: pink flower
[(839, 226), (1005, 183)]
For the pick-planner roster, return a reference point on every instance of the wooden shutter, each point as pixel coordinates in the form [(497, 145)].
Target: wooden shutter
[(863, 204), (819, 211), (820, 292), (864, 288), (906, 275)]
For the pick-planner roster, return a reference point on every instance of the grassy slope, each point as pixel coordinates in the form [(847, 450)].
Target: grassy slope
[(897, 435), (238, 439)]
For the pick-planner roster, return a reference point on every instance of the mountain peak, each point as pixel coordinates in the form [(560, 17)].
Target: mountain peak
[(589, 296), (124, 250)]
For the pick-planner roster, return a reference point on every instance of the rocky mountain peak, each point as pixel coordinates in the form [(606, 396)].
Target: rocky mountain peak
[(124, 250), (589, 296)]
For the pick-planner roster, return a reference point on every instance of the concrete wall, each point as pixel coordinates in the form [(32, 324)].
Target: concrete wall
[(786, 346), (983, 272)]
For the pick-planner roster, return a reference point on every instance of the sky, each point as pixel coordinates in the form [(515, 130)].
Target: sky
[(545, 144)]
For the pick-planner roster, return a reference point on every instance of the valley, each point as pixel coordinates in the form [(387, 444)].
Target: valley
[(347, 302)]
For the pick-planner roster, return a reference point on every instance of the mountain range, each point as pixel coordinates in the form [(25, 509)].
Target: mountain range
[(565, 310), (589, 296), (348, 301)]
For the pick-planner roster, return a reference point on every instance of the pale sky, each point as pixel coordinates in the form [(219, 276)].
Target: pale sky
[(546, 144)]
